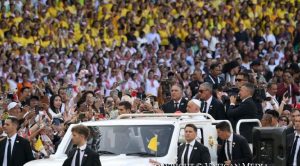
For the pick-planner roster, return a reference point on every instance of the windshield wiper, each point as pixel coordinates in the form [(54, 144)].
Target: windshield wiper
[(141, 154), (105, 152)]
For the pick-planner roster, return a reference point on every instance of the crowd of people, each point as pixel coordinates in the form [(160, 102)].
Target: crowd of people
[(69, 61)]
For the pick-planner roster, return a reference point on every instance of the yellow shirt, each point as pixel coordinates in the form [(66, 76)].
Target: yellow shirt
[(95, 32), (90, 40), (52, 12), (64, 24), (109, 41), (42, 32), (17, 20), (281, 13), (124, 12), (247, 23), (72, 9), (1, 35), (119, 39), (164, 35), (183, 34), (146, 29), (45, 43)]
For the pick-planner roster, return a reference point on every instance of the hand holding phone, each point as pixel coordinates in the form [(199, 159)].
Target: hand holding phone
[(287, 94)]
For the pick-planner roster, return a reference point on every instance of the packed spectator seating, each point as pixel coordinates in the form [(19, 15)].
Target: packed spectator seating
[(69, 61)]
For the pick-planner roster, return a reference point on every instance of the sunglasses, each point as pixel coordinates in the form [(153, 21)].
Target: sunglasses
[(238, 80)]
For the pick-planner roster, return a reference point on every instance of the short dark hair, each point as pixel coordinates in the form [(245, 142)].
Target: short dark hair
[(223, 126), (245, 75), (250, 87), (273, 113), (13, 120), (270, 84), (178, 85), (294, 110), (126, 104), (214, 65), (60, 89), (278, 68), (192, 126), (82, 130)]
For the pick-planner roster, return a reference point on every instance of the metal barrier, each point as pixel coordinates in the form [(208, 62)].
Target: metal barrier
[(124, 116), (246, 121)]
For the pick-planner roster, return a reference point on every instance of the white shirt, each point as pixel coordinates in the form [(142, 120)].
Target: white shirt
[(153, 90), (53, 114), (212, 44), (270, 38), (230, 139), (82, 148), (208, 102), (297, 149), (178, 102), (189, 152), (153, 36), (12, 142)]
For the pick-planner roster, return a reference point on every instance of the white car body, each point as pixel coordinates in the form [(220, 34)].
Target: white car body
[(178, 121)]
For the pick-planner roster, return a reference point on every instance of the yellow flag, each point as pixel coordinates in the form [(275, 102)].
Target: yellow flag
[(153, 144), (38, 144)]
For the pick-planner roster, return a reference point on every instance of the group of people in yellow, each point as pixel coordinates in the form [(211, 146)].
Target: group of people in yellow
[(96, 24)]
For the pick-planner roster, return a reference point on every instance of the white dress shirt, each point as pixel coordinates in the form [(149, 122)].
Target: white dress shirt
[(297, 149), (189, 152), (82, 149), (230, 139), (178, 102), (208, 102), (12, 142)]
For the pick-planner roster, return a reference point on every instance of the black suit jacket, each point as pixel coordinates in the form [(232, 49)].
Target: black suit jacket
[(217, 109), (290, 141), (216, 82), (90, 158), (246, 110), (21, 153), (199, 155), (290, 130), (194, 85), (169, 107), (241, 152)]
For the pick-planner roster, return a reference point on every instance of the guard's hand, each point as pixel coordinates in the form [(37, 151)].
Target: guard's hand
[(233, 99), (153, 162), (228, 162)]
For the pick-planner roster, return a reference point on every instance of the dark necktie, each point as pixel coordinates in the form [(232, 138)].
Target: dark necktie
[(228, 150), (77, 159), (185, 161), (176, 106), (204, 106), (9, 152), (294, 150)]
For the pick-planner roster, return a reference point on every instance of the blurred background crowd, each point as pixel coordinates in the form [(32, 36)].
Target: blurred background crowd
[(69, 61)]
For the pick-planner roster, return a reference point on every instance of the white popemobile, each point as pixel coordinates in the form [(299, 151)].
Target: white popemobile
[(125, 141)]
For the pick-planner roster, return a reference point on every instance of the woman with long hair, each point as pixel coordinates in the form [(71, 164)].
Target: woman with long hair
[(55, 109)]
